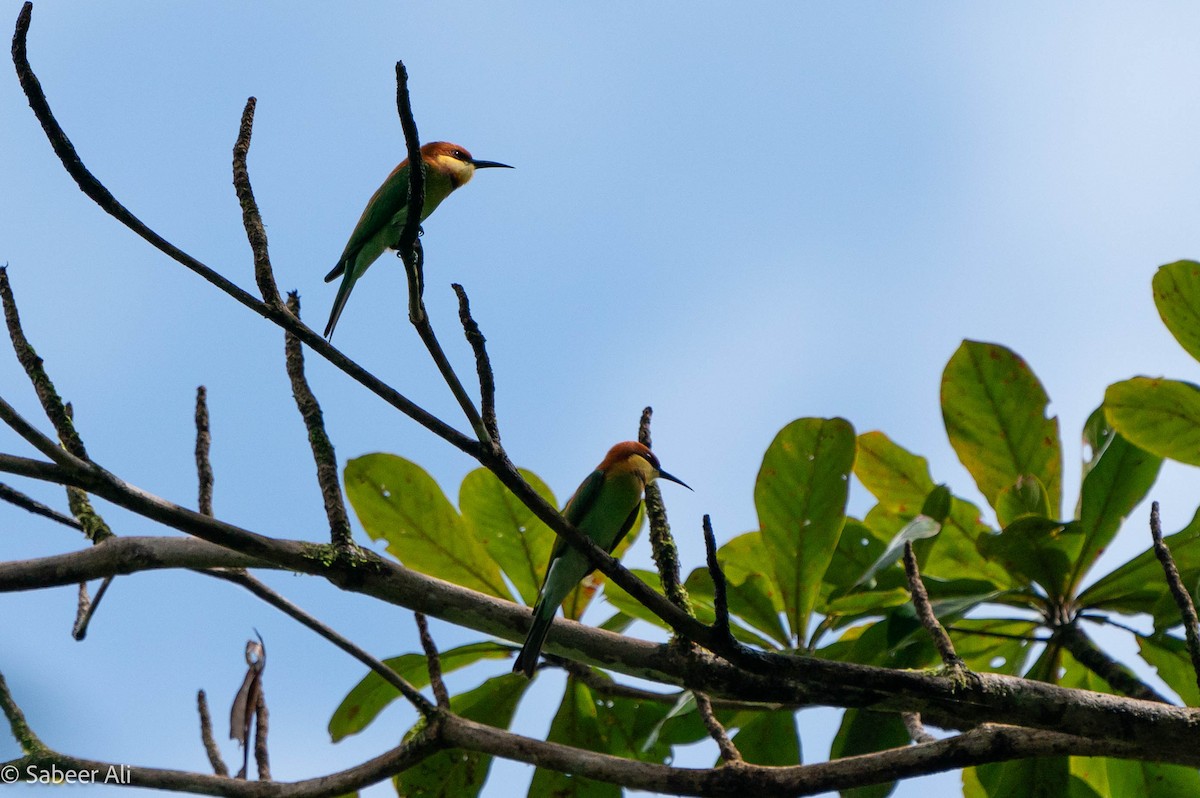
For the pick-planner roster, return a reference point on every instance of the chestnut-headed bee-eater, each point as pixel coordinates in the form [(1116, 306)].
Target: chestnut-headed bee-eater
[(604, 508), (447, 167)]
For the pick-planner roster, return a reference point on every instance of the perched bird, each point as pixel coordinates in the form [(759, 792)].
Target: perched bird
[(604, 508), (447, 167)]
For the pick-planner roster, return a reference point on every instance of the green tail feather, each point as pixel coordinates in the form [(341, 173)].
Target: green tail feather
[(339, 302), (543, 617)]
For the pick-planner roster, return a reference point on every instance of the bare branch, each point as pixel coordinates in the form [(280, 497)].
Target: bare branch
[(120, 555), (318, 439), (51, 402), (262, 762), (87, 607), (15, 497), (987, 743), (915, 728), (1089, 655), (251, 220), (206, 736), (1183, 599), (920, 599), (21, 732), (729, 751), (204, 472), (288, 608), (483, 364), (433, 662), (407, 246), (720, 587), (662, 545)]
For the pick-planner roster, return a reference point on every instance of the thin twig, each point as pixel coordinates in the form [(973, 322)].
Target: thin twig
[(87, 608), (24, 735), (412, 254), (206, 736), (1183, 599), (16, 497), (56, 410), (262, 762), (720, 587), (51, 402), (204, 471), (1001, 635), (251, 219), (729, 751), (920, 599), (318, 439), (483, 365), (407, 245), (916, 729), (433, 662), (662, 544), (411, 693)]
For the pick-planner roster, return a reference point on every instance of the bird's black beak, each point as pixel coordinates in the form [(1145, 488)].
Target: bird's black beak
[(489, 164), (664, 475)]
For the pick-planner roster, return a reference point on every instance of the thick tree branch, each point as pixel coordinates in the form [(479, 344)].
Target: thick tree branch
[(204, 472)]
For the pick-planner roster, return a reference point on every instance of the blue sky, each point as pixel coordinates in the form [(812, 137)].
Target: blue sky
[(740, 216)]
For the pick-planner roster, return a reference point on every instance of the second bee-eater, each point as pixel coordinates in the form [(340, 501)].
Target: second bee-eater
[(447, 167), (604, 508)]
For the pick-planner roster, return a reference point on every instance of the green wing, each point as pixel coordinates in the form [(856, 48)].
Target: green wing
[(576, 510), (628, 525), (387, 201)]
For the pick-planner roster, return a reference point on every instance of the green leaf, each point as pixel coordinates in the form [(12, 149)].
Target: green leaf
[(994, 644), (898, 479), (767, 738), (700, 591), (1119, 478), (801, 499), (396, 500), (1038, 549), (1143, 779), (995, 414), (1027, 497), (368, 698), (745, 560), (1139, 584), (751, 601), (613, 725), (1158, 415), (508, 530), (865, 732), (1040, 777), (858, 547), (1177, 296), (456, 773), (919, 528), (1170, 658), (901, 482)]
